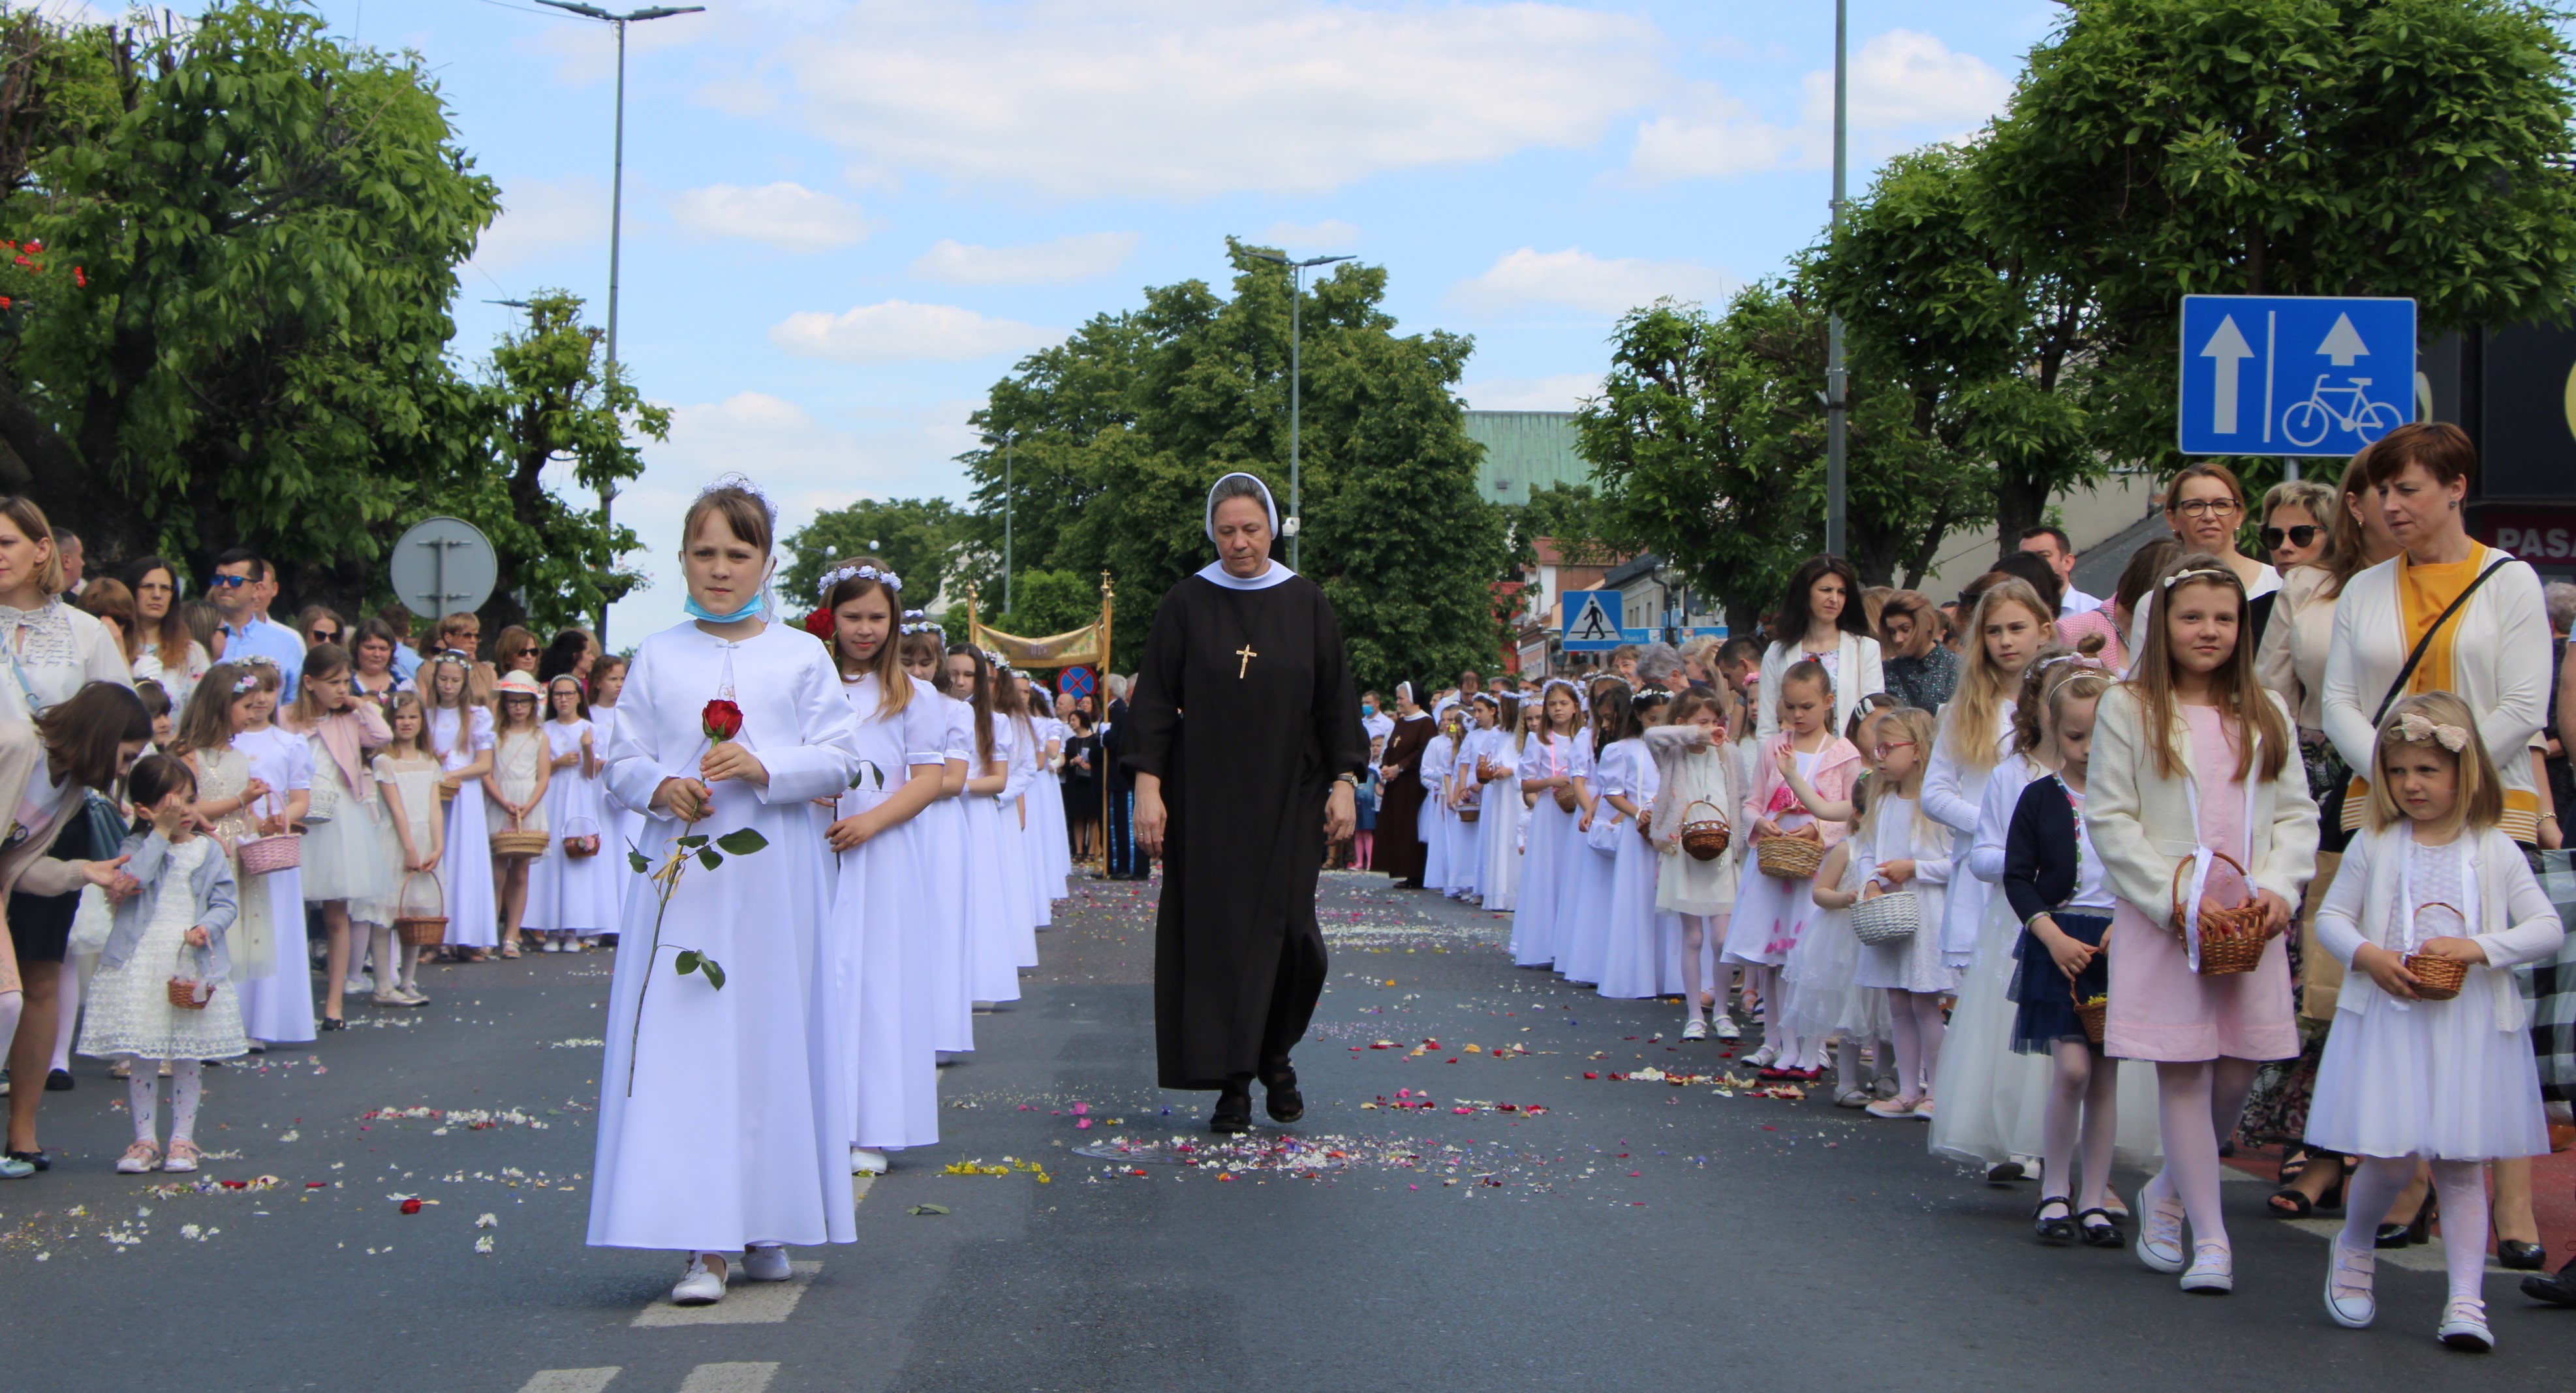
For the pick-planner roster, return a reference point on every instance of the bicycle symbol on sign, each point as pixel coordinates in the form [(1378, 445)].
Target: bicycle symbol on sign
[(2306, 422)]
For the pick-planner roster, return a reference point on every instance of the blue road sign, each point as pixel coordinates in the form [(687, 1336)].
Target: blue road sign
[(2294, 375), (1592, 621)]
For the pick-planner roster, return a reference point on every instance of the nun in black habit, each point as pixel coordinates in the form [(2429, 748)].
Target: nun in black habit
[(1245, 738)]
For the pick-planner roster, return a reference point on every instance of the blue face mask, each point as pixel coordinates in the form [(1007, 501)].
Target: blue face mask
[(750, 611), (1368, 708)]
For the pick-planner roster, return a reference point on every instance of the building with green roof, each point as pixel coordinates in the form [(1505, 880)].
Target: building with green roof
[(1525, 450)]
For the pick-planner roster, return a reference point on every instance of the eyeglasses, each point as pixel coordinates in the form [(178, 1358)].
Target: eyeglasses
[(2299, 536), (227, 582), (2205, 507), (326, 636), (1884, 748)]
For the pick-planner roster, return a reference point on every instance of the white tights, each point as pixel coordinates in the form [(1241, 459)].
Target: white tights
[(2195, 1103), (1914, 1018), (67, 999), (143, 1097), (2462, 1185), (2083, 1099), (1695, 928), (12, 1004), (1777, 1036)]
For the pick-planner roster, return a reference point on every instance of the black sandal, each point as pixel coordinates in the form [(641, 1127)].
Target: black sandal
[(2289, 1202), (1232, 1116), (1281, 1098), (2057, 1232), (2105, 1234)]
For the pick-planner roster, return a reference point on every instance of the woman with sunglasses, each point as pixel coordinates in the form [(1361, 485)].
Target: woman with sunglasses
[(320, 624)]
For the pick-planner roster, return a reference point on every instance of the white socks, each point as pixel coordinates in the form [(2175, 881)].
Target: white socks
[(143, 1097)]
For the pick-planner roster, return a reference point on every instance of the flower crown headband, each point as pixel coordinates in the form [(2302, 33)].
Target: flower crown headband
[(886, 578), (2417, 729), (2197, 573)]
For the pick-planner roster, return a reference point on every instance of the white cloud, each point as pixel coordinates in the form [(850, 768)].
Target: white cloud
[(1332, 234), (1559, 392), (1187, 99), (897, 330), (1071, 258), (539, 216), (1576, 279), (787, 216), (1906, 87)]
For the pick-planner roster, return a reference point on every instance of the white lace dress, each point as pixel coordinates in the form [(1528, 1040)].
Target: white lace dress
[(128, 1010)]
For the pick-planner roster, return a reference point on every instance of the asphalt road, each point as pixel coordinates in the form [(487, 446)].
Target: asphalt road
[(1563, 1231)]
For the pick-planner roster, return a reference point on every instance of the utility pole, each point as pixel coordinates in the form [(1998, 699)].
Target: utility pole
[(616, 206), (1837, 380), (1007, 442), (1296, 304)]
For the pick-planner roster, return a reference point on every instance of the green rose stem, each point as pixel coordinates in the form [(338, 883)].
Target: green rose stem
[(739, 842)]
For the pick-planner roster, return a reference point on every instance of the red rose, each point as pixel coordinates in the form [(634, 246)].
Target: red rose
[(818, 622), (722, 720)]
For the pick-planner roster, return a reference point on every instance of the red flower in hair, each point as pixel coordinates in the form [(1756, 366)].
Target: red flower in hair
[(722, 720)]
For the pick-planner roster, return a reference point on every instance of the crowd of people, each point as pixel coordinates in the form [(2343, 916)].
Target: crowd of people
[(2267, 831), (230, 828)]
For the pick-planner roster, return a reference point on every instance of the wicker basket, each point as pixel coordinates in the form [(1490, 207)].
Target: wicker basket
[(518, 841), (269, 855), (419, 930), (1705, 838), (183, 990), (1467, 814), (2438, 979), (581, 838), (1565, 799), (2231, 940), (2095, 1012), (1789, 858), (1886, 917)]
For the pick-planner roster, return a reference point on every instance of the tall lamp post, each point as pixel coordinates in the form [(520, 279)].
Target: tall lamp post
[(616, 200), (1837, 380), (1296, 303)]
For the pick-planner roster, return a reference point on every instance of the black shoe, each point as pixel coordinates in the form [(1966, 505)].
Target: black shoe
[(334, 1023), (36, 1158), (2405, 1235), (60, 1081), (1233, 1115), (2056, 1232), (2558, 1289), (2519, 1256), (2105, 1234), (1281, 1098)]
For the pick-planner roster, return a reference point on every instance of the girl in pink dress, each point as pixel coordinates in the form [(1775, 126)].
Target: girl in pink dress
[(2191, 770)]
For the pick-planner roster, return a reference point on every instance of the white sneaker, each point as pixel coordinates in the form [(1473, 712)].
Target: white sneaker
[(1724, 1025), (867, 1160), (1762, 1058), (2464, 1326), (2213, 1270), (699, 1286), (2350, 1275), (2159, 1243), (358, 986), (765, 1262), (390, 999), (413, 996), (1695, 1029)]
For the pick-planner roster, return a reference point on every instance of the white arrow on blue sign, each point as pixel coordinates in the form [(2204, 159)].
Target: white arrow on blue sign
[(2294, 375)]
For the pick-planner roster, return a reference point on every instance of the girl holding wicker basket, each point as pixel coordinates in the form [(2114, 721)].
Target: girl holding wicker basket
[(1773, 907), (162, 988), (2207, 835), (415, 845), (2430, 1057), (2054, 881)]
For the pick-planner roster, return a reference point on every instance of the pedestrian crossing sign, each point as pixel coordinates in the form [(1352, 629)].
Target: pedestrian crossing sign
[(1592, 621)]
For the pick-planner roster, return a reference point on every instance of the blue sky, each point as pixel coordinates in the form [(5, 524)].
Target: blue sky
[(846, 218)]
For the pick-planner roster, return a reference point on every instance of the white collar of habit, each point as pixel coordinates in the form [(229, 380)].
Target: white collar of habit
[(1215, 573)]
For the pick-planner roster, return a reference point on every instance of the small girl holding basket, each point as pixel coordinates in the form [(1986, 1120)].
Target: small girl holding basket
[(2430, 1057)]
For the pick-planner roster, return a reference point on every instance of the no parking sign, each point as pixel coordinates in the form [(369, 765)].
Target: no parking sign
[(1074, 681)]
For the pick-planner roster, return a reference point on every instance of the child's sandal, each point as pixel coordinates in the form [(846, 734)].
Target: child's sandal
[(139, 1159), (183, 1156), (2100, 1230)]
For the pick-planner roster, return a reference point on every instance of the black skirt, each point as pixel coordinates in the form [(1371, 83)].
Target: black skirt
[(2047, 1012), (40, 926)]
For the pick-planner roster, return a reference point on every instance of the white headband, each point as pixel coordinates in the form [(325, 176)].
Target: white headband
[(2198, 573), (1267, 505), (888, 579)]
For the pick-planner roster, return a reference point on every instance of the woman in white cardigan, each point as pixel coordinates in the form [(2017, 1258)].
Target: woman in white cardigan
[(2408, 1076), (2193, 760), (1820, 620), (2493, 650)]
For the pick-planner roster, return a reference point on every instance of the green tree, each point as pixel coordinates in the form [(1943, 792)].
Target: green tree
[(913, 535), (1115, 436), (1568, 514), (265, 226), (2157, 148), (549, 397)]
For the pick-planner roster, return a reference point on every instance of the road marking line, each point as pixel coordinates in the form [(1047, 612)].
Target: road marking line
[(569, 1380), (746, 1303), (729, 1378), (859, 1187)]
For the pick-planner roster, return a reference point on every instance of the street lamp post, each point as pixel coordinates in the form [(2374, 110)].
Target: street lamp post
[(1296, 303), (1837, 380), (616, 201), (1008, 442)]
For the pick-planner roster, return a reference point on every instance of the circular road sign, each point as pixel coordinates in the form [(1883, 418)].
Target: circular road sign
[(443, 566)]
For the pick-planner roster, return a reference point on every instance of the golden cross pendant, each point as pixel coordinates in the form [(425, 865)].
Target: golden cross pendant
[(1247, 655)]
